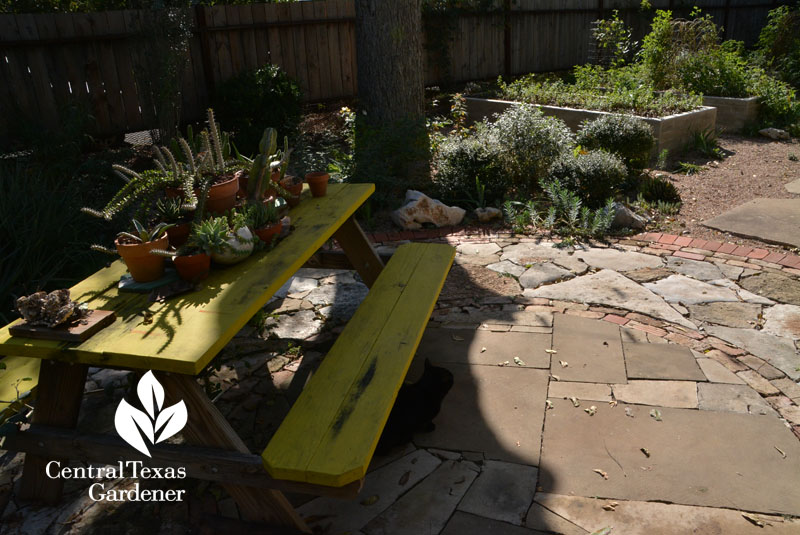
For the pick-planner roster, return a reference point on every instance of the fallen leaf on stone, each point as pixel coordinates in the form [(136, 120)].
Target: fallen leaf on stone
[(646, 468), (555, 377), (371, 500), (629, 412), (754, 519), (591, 410), (457, 338), (460, 480), (601, 472), (563, 363), (483, 350), (518, 444), (613, 403), (575, 401), (506, 363), (518, 361), (549, 404), (655, 413), (604, 531), (783, 453), (608, 507), (551, 351), (404, 478), (645, 451)]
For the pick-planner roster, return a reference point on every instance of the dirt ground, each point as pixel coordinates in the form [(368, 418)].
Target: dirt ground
[(754, 168)]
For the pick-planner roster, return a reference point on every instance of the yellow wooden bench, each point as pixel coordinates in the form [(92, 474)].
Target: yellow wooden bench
[(20, 376), (329, 436)]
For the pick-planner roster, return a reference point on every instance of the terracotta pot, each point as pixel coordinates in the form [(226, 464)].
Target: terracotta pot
[(193, 268), (144, 267), (318, 182), (244, 179), (179, 234), (222, 197), (295, 187), (267, 234)]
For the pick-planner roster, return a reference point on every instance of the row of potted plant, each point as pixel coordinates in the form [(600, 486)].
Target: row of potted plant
[(204, 200)]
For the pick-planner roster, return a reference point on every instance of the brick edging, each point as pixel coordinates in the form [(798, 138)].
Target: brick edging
[(650, 242)]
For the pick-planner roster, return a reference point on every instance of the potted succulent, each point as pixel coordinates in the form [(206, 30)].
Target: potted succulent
[(318, 183), (264, 220), (193, 259), (135, 249), (294, 187), (170, 211), (231, 240)]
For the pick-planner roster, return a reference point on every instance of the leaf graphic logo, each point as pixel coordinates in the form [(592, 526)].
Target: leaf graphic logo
[(157, 424)]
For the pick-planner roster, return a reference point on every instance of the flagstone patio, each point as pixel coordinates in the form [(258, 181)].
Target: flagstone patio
[(622, 387)]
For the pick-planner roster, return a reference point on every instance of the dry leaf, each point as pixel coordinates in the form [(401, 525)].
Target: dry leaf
[(371, 500), (655, 413), (483, 350), (591, 410), (783, 453), (457, 338), (506, 363), (555, 377), (564, 364), (645, 451), (610, 507), (518, 361), (518, 444), (604, 531), (549, 404), (754, 519), (404, 478), (629, 412), (575, 401), (551, 351), (613, 403), (601, 472)]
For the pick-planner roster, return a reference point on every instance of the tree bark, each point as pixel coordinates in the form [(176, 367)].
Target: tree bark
[(389, 54)]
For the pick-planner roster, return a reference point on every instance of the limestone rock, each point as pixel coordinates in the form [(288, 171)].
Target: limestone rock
[(774, 133), (485, 215), (774, 286), (419, 208), (544, 273), (624, 217)]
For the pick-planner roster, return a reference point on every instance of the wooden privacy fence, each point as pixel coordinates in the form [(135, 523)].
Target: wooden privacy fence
[(49, 61)]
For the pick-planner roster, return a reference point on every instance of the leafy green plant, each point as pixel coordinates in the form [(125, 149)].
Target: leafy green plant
[(628, 137), (257, 98), (687, 168), (568, 217), (661, 162), (144, 234), (655, 189), (707, 143), (169, 209), (793, 157), (521, 216), (261, 215), (778, 48), (461, 161), (614, 38), (594, 176)]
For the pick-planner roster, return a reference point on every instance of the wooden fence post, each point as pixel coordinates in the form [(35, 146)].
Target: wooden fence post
[(507, 38), (205, 50)]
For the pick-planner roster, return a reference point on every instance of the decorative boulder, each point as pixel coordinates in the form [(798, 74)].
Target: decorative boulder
[(774, 133), (624, 217), (419, 209), (485, 215)]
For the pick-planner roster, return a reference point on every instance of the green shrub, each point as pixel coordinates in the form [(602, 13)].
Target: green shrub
[(254, 100), (528, 143), (628, 137), (778, 105), (595, 175), (778, 47), (718, 72), (459, 161), (656, 189), (567, 216)]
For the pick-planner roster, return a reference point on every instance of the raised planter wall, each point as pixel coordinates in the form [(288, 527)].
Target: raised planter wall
[(672, 133), (733, 114)]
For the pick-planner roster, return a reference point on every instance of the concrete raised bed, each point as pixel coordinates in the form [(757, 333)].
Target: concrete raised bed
[(672, 132), (733, 114)]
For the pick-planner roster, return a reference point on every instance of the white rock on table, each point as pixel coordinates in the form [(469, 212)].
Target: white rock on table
[(419, 208)]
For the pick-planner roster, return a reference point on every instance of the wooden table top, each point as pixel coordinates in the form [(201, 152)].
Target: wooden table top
[(184, 333)]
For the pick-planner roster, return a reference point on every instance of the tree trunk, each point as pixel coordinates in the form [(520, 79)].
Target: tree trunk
[(391, 139)]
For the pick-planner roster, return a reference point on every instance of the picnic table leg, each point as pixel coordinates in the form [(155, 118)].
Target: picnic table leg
[(359, 251), (207, 427), (58, 404)]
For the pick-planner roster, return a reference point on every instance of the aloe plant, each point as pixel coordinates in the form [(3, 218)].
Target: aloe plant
[(140, 234)]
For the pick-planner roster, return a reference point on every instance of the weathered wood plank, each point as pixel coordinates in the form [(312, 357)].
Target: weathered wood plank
[(127, 83), (94, 78), (311, 51), (186, 332), (330, 434), (234, 39), (360, 251), (261, 36), (302, 66), (28, 29)]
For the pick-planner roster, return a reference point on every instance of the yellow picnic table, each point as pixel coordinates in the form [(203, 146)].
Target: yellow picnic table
[(178, 338)]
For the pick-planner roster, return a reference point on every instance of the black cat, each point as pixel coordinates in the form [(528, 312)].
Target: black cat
[(416, 406)]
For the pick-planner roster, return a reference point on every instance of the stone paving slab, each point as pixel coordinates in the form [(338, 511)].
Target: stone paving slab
[(717, 373), (546, 520), (495, 410), (428, 506), (696, 269), (510, 316), (581, 391), (544, 273), (649, 518), (778, 287), (687, 291), (661, 361), (618, 260), (678, 394), (780, 352), (466, 524), (507, 267), (381, 489), (717, 459), (768, 220), (592, 350), (783, 320), (741, 315), (470, 346), (609, 288), (503, 491), (794, 186), (533, 253), (732, 398), (478, 249)]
